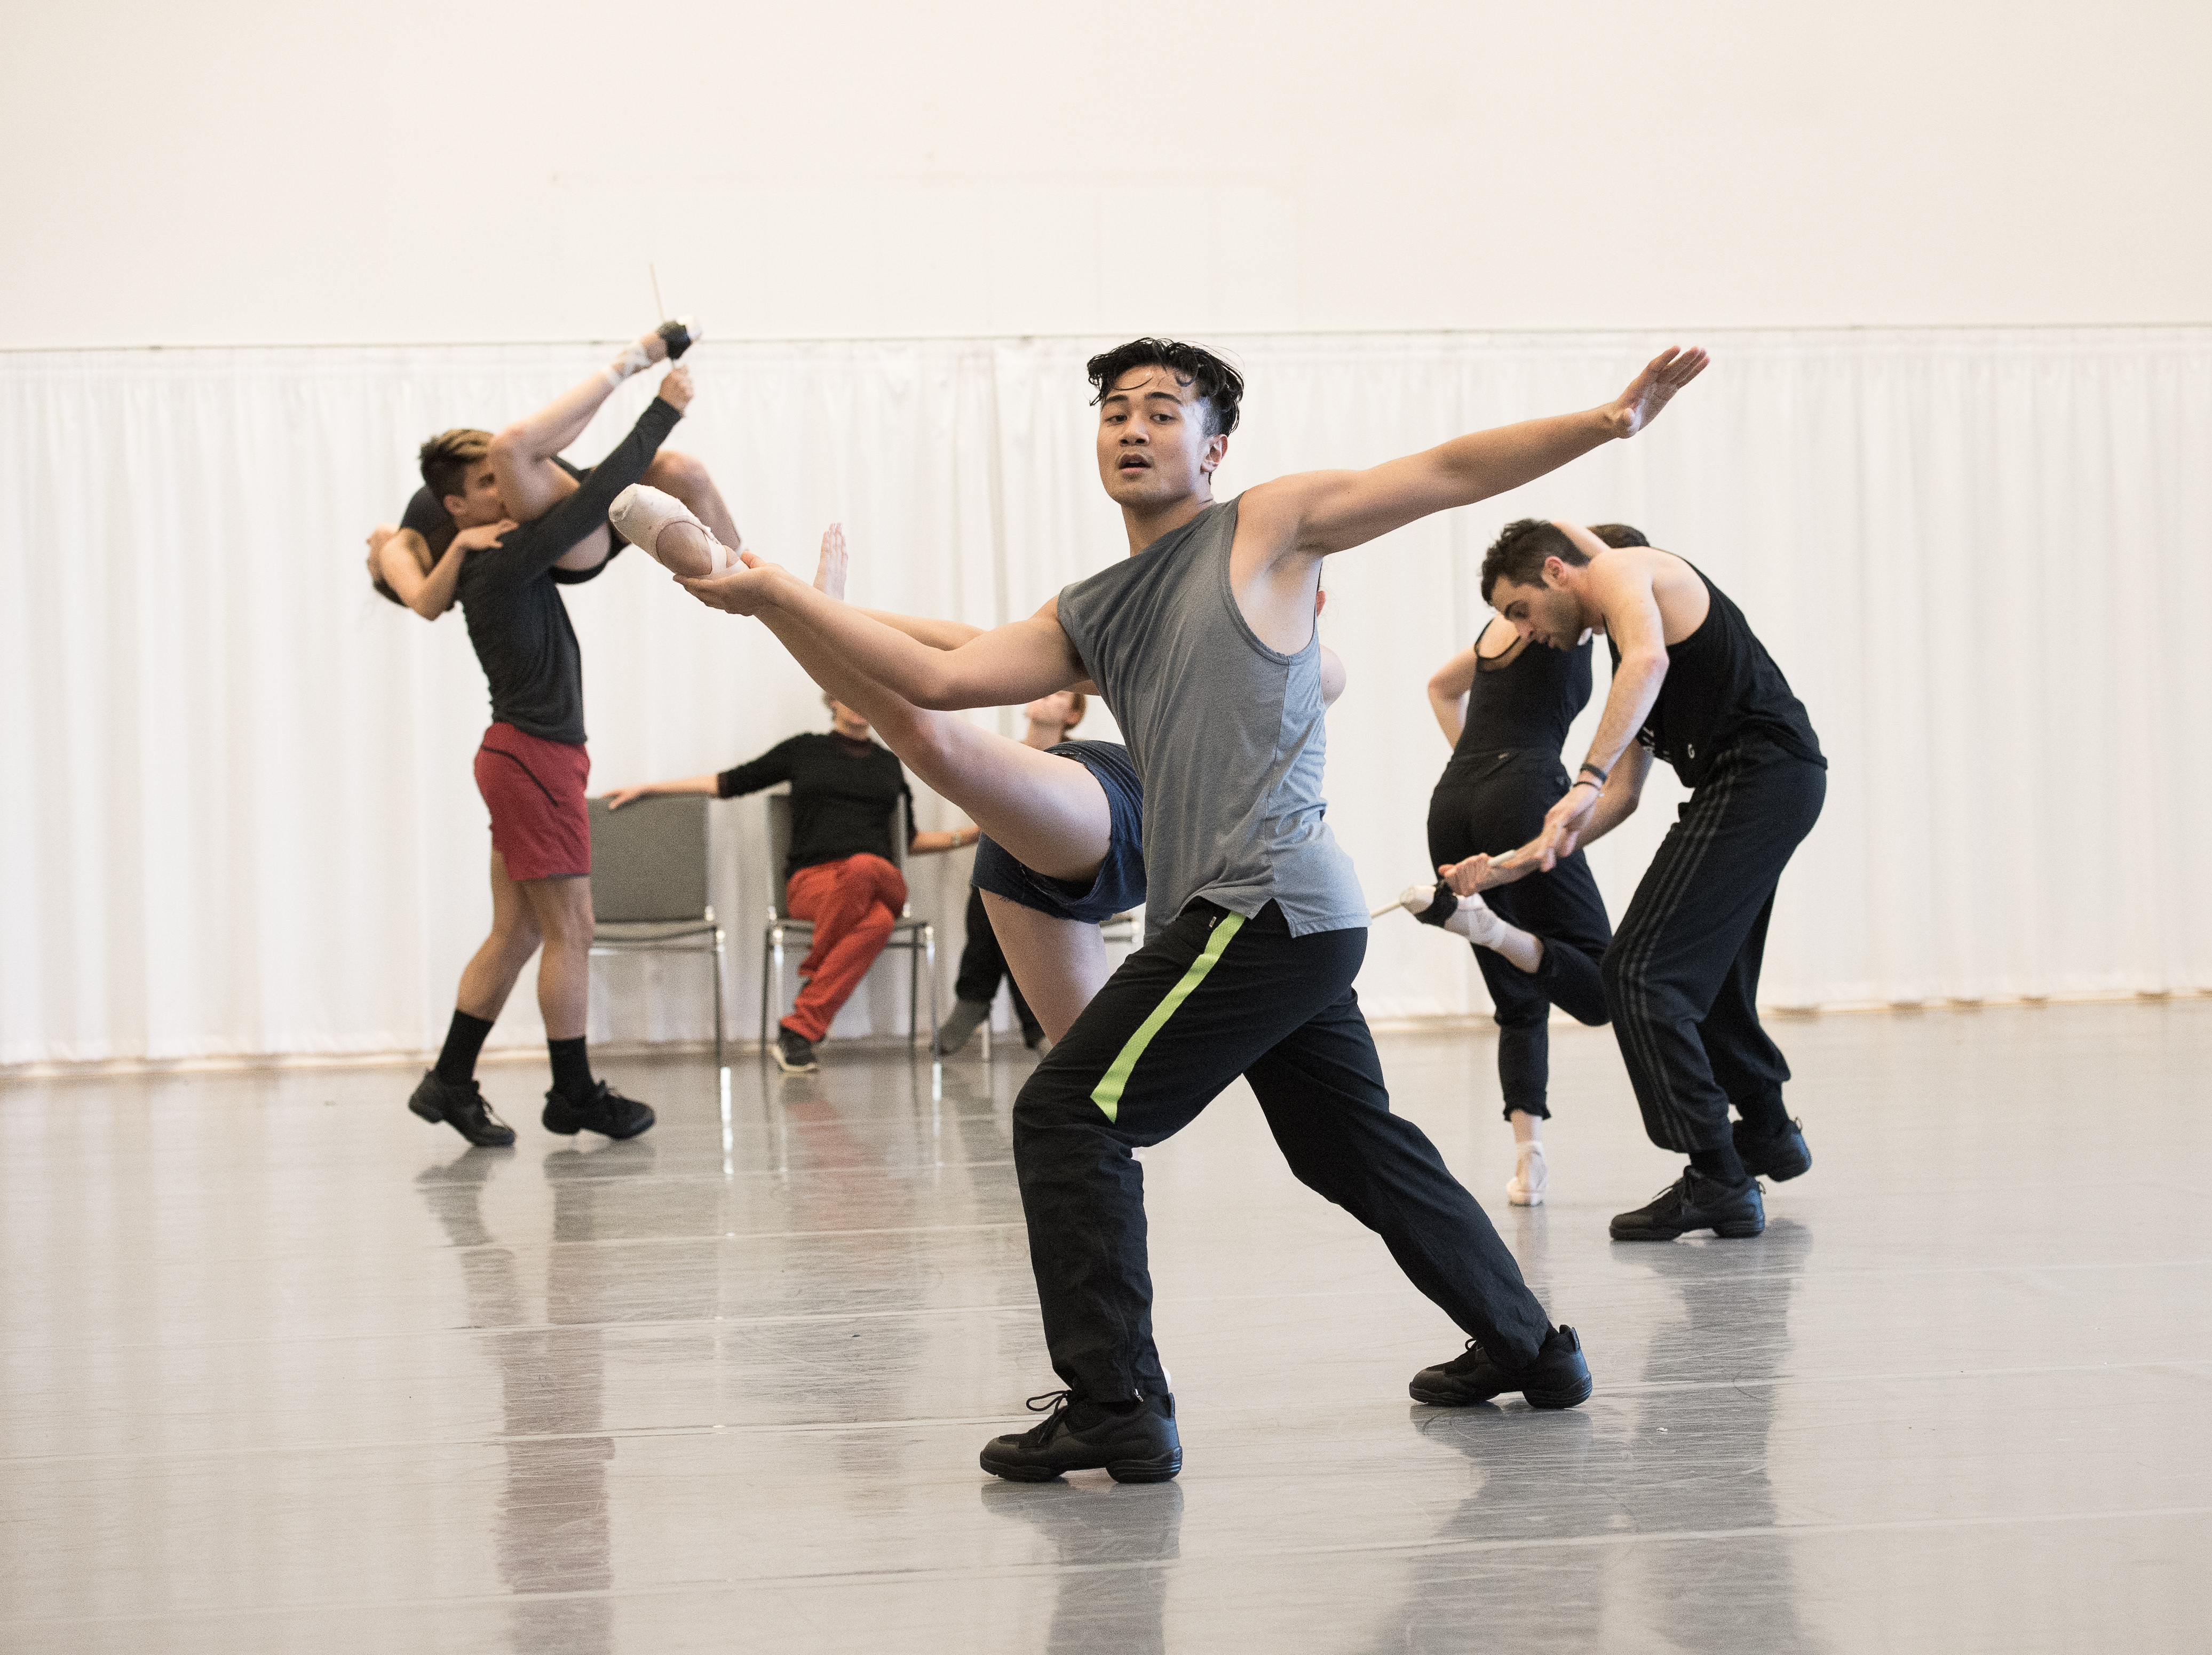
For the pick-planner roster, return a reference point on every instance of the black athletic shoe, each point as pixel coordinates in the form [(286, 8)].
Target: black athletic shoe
[(606, 1111), (462, 1107), (1558, 1377), (1694, 1202), (794, 1054), (1130, 1444), (679, 336), (1781, 1157)]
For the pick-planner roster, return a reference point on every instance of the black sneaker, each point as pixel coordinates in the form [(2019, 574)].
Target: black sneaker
[(1694, 1202), (1558, 1377), (606, 1111), (794, 1054), (1131, 1445), (461, 1106), (1781, 1157)]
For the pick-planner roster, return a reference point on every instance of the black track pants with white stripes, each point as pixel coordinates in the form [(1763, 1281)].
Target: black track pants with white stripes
[(1682, 974)]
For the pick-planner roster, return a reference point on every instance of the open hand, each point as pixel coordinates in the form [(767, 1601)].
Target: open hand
[(622, 795), (483, 536), (746, 589), (1650, 390), (829, 573)]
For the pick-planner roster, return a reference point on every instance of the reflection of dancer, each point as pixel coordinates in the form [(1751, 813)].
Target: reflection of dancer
[(1692, 684), (1505, 705), (1112, 1545), (982, 961), (1204, 644), (532, 767)]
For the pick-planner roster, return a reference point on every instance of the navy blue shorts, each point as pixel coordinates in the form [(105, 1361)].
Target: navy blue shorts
[(1120, 883)]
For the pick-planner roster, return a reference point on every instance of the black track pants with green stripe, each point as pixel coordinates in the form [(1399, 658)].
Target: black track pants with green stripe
[(1218, 996)]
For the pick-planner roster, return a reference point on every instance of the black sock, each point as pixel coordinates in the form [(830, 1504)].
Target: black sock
[(464, 1039), (572, 1069), (1721, 1164), (1766, 1117)]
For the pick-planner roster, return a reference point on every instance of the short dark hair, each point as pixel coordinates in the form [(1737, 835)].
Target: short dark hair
[(446, 458), (1221, 386), (1518, 554), (1619, 534)]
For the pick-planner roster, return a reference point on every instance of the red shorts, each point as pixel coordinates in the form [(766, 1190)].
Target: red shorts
[(540, 825)]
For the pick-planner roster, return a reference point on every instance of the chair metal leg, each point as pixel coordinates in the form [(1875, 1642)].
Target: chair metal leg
[(987, 1037), (912, 994), (718, 996), (929, 947)]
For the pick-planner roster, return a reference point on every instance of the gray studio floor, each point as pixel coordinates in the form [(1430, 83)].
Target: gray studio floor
[(287, 1370)]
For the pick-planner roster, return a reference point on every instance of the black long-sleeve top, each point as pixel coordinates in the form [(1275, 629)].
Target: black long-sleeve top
[(841, 795)]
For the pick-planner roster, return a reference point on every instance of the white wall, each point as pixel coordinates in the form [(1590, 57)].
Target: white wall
[(245, 171)]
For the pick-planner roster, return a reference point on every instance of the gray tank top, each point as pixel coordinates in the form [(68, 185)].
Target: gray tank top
[(1225, 732)]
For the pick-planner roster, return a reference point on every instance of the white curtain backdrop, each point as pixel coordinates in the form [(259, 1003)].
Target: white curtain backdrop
[(237, 815)]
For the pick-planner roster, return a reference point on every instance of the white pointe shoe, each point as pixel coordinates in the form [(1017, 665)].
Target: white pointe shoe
[(663, 527), (1526, 1187)]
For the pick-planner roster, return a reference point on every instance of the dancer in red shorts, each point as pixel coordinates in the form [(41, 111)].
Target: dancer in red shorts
[(840, 874), (532, 767)]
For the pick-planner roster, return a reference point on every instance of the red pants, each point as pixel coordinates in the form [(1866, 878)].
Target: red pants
[(853, 905)]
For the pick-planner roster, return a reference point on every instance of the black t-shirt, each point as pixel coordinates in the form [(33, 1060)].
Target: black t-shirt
[(1721, 687), (427, 516), (517, 621), (841, 795)]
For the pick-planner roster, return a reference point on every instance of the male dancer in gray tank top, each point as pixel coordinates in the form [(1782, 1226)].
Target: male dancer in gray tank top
[(1203, 643)]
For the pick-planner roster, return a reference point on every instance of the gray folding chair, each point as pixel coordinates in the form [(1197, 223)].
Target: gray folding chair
[(649, 892), (917, 936)]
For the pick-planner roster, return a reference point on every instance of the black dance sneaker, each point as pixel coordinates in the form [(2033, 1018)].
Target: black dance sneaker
[(794, 1054), (462, 1107), (606, 1111), (1131, 1445), (1694, 1202), (1781, 1157), (1558, 1377)]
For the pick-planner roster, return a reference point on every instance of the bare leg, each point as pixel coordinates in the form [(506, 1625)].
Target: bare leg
[(562, 910), (490, 977), (1059, 963), (1049, 812), (529, 484), (684, 476)]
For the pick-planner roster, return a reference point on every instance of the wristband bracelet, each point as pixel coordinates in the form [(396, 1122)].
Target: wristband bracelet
[(1584, 781), (1592, 770)]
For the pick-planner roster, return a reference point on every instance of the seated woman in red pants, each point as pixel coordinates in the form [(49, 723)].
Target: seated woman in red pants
[(841, 874)]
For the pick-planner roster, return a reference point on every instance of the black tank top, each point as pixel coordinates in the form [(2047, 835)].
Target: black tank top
[(1720, 686), (1527, 703)]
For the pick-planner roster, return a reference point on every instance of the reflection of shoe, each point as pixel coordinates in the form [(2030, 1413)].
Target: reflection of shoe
[(1694, 1202), (794, 1054), (1558, 1377), (462, 1107), (1781, 1156), (967, 1017), (1527, 1185), (1125, 1523), (606, 1111), (1131, 1443)]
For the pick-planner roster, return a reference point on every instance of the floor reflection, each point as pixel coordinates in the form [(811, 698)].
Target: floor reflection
[(1701, 1443), (1114, 1541), (553, 1540)]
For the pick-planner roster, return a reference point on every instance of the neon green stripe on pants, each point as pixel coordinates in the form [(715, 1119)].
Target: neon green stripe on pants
[(1108, 1096)]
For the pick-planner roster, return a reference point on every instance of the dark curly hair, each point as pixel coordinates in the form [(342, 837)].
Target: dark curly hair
[(1518, 554), (1221, 386)]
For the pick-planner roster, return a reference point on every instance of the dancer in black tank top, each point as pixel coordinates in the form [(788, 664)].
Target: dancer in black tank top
[(1692, 686), (1506, 704)]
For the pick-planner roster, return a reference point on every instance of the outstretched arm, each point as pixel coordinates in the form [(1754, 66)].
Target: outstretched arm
[(1325, 512)]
